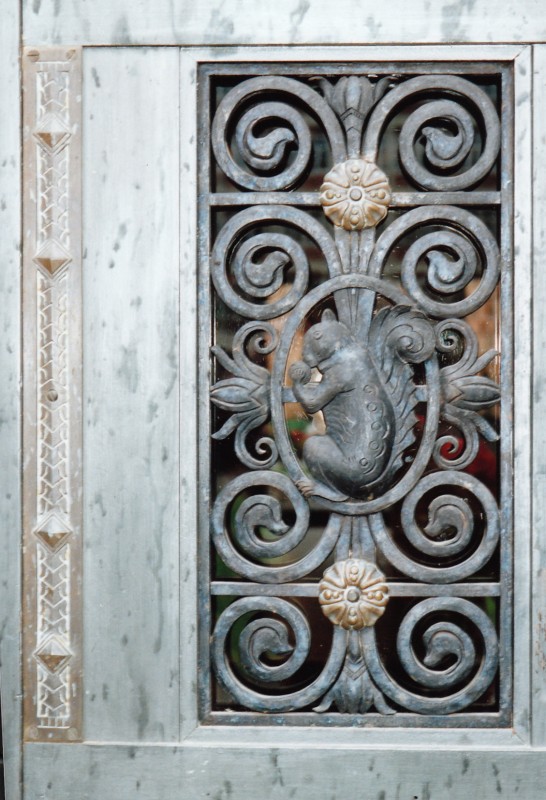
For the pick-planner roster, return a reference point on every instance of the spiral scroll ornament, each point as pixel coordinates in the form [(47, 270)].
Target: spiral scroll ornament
[(267, 153), (240, 546), (448, 128), (449, 530), (258, 263), (464, 678), (267, 635), (453, 253)]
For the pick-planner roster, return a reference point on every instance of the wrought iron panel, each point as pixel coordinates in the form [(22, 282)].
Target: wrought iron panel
[(355, 468)]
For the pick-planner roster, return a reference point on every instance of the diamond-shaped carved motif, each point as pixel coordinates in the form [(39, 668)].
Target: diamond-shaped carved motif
[(52, 256), (53, 655), (53, 531), (52, 134)]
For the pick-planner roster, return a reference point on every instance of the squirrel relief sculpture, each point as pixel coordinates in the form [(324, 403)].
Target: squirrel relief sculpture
[(367, 396)]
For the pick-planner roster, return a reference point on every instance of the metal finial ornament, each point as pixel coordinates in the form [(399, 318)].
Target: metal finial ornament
[(355, 195), (353, 594)]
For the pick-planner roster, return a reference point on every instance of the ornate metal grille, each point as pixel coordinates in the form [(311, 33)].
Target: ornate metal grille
[(355, 528)]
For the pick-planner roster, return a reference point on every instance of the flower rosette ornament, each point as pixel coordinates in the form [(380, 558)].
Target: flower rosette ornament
[(353, 594), (355, 195)]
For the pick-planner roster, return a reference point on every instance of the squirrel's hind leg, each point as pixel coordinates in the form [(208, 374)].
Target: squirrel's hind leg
[(327, 465)]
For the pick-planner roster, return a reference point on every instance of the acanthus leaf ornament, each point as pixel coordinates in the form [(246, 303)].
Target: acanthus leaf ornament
[(246, 394), (465, 394), (352, 98), (354, 692)]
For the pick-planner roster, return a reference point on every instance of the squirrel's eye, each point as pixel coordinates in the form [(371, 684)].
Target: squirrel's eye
[(317, 334)]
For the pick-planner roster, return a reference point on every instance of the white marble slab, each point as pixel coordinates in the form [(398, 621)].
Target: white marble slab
[(232, 22), (188, 393), (518, 280), (131, 395), (10, 392), (298, 773), (538, 571)]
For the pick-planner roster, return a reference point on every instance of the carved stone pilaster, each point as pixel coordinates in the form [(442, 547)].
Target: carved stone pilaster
[(52, 512)]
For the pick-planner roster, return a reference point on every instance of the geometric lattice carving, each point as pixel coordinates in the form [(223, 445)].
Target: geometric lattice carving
[(53, 655), (53, 597), (53, 414), (53, 195), (52, 418), (53, 698)]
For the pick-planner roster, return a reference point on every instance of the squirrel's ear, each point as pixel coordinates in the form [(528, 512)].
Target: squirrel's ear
[(328, 316)]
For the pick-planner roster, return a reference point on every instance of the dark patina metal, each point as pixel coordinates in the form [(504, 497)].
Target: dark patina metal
[(394, 369)]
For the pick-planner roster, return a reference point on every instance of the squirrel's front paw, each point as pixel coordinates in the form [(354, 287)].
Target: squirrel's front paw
[(306, 486), (300, 372)]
